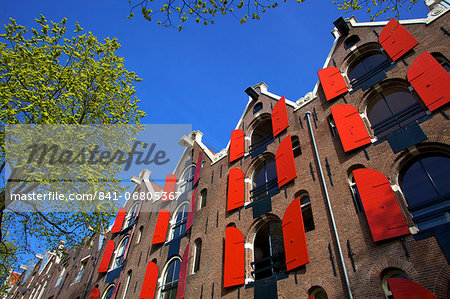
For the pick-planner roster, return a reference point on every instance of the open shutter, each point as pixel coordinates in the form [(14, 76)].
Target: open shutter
[(279, 117), (106, 259), (198, 168), (94, 294), (169, 187), (234, 269), (150, 281), (430, 80), (402, 288), (294, 236), (350, 126), (159, 236), (380, 205), (117, 227), (190, 217), (284, 158), (235, 189), (183, 273), (236, 145), (396, 40), (333, 83)]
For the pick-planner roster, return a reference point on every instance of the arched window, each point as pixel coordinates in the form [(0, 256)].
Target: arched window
[(354, 189), (390, 273), (129, 219), (178, 223), (392, 109), (127, 284), (332, 124), (351, 41), (264, 182), (268, 250), (262, 135), (139, 236), (258, 107), (442, 61), (170, 276), (119, 254), (308, 219), (365, 67), (317, 293), (197, 255), (202, 201), (296, 148), (426, 180), (186, 179), (109, 292)]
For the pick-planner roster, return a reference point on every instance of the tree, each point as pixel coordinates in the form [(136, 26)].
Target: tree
[(50, 77), (172, 13)]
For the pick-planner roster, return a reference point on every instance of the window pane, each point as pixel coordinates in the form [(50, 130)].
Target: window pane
[(416, 186), (439, 170), (378, 110), (399, 99)]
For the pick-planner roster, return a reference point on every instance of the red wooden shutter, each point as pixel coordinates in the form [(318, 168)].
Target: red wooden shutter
[(183, 273), (333, 83), (380, 205), (169, 187), (235, 189), (236, 145), (159, 236), (94, 294), (295, 247), (117, 227), (284, 158), (106, 259), (430, 80), (396, 40), (198, 168), (280, 119), (350, 126), (190, 217), (150, 281), (234, 269), (402, 288)]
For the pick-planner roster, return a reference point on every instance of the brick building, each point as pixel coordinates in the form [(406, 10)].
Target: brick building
[(343, 193)]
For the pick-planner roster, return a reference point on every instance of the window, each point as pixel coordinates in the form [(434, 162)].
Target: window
[(81, 271), (334, 131), (354, 190), (108, 292), (139, 237), (425, 183), (308, 219), (390, 273), (392, 109), (187, 179), (127, 284), (296, 148), (264, 182), (366, 66), (120, 252), (202, 201), (170, 276), (262, 136), (258, 107), (58, 282), (442, 61), (318, 293), (268, 250), (351, 41), (178, 224), (42, 291), (197, 254), (129, 220)]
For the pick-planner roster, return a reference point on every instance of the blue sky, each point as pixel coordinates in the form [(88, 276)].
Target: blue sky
[(198, 76)]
